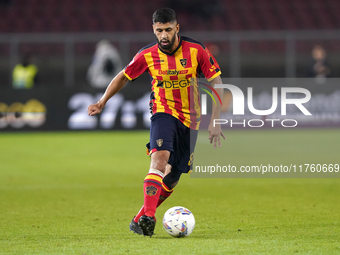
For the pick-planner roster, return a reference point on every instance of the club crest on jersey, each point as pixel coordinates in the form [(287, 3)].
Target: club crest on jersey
[(151, 190), (159, 142), (183, 62)]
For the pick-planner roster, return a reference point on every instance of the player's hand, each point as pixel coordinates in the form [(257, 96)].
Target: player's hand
[(214, 134), (94, 109)]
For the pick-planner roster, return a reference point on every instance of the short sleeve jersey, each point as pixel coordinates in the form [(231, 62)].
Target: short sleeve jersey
[(172, 75)]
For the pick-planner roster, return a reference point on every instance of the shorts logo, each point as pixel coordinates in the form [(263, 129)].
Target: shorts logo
[(159, 142), (151, 190), (183, 62), (191, 159)]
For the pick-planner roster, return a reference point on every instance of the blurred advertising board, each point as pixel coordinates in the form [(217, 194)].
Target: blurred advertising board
[(66, 109)]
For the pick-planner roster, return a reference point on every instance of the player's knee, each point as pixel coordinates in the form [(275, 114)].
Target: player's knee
[(167, 169), (159, 160)]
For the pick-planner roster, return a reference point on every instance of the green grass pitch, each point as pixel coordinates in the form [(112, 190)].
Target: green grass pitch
[(76, 193)]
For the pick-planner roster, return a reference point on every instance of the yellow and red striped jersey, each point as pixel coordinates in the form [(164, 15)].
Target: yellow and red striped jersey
[(172, 73)]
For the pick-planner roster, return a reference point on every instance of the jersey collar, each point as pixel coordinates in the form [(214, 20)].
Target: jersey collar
[(174, 51)]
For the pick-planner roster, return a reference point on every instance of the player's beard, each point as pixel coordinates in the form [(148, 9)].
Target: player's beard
[(169, 45)]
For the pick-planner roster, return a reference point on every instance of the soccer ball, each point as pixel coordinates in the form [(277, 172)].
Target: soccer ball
[(178, 221)]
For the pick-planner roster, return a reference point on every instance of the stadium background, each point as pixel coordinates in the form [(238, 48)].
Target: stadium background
[(249, 39), (75, 192)]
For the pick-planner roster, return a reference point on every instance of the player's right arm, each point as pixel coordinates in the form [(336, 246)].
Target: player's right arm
[(115, 85)]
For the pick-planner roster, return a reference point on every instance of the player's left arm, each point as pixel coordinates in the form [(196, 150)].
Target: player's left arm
[(212, 72), (215, 131)]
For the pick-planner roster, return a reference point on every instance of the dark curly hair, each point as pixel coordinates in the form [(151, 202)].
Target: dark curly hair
[(164, 15)]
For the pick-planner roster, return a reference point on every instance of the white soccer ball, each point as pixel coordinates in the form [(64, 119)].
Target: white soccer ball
[(178, 221)]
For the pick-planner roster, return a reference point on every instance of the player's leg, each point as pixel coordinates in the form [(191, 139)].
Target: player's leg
[(168, 185), (153, 181), (170, 180), (181, 144), (165, 193), (180, 159), (162, 131), (152, 191), (184, 141)]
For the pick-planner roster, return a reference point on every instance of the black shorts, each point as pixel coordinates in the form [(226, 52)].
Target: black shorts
[(168, 133)]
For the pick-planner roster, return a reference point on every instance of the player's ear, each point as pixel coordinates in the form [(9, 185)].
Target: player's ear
[(153, 28), (177, 28)]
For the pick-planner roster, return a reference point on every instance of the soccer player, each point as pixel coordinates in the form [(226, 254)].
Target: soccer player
[(172, 62)]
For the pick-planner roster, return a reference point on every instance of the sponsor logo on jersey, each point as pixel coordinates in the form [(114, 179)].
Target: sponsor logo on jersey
[(173, 84), (172, 72)]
